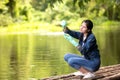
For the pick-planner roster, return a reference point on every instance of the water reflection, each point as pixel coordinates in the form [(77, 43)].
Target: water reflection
[(37, 56), (49, 55), (109, 46)]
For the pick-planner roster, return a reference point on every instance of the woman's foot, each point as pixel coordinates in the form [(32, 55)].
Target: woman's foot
[(78, 73), (88, 75)]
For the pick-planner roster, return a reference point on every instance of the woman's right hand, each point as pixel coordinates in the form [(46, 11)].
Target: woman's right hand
[(66, 29)]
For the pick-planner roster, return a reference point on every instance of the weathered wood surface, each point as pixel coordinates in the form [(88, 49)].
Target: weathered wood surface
[(104, 73)]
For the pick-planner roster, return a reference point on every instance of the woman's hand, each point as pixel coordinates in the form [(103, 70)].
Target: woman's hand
[(79, 47), (66, 29)]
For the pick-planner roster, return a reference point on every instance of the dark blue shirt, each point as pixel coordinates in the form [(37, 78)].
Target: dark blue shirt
[(89, 47)]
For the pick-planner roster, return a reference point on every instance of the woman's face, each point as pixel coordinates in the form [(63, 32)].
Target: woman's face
[(83, 28)]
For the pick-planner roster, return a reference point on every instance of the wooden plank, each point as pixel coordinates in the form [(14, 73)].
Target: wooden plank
[(111, 72)]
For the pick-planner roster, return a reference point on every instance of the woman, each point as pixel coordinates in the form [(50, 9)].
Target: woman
[(90, 61)]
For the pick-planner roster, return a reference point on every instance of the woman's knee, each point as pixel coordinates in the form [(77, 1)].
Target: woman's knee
[(73, 64), (66, 56), (71, 61)]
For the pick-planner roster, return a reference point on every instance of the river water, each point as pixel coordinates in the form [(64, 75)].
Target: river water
[(25, 56)]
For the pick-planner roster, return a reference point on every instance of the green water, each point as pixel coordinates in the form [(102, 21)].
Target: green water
[(24, 56)]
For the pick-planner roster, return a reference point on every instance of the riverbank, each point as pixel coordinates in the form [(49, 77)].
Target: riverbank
[(43, 28)]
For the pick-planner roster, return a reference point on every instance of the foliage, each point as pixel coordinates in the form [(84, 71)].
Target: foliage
[(57, 10), (111, 8), (42, 5), (5, 20)]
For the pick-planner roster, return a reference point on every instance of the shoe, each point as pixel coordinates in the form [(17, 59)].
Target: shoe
[(88, 75), (78, 73)]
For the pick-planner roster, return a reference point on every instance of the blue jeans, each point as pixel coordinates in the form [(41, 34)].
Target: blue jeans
[(76, 62)]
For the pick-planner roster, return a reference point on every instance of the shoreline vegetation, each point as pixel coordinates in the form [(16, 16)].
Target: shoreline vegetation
[(43, 28)]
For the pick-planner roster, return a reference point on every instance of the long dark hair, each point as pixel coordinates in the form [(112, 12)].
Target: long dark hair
[(89, 25)]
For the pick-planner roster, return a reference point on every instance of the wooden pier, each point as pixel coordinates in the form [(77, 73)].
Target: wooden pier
[(104, 73)]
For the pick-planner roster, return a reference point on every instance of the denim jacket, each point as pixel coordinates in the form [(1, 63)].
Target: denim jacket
[(90, 48)]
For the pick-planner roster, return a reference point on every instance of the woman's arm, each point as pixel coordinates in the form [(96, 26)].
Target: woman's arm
[(72, 33)]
